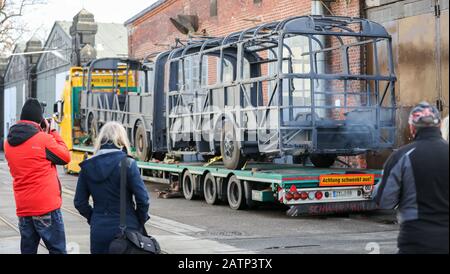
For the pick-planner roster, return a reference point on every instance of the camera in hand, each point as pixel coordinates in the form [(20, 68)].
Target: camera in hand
[(43, 125)]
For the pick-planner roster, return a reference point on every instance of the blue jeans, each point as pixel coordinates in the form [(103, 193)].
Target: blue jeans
[(48, 227)]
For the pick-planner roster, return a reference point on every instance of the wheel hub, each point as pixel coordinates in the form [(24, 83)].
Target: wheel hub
[(229, 146)]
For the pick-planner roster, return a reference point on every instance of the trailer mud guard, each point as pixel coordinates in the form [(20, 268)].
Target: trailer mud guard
[(330, 208)]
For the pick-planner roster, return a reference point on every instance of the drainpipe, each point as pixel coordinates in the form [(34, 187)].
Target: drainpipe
[(319, 85)]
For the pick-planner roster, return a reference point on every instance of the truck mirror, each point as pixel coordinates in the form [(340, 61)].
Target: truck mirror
[(58, 111)]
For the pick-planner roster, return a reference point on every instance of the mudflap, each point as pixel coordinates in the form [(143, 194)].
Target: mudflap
[(330, 208)]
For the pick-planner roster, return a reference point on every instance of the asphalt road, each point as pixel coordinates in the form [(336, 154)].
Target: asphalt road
[(184, 226)]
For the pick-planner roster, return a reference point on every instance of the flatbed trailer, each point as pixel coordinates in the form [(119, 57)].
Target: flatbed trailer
[(306, 190)]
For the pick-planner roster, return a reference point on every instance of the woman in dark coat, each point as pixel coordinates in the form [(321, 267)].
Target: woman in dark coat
[(99, 178)]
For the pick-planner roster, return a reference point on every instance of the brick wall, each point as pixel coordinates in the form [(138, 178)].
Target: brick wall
[(153, 31)]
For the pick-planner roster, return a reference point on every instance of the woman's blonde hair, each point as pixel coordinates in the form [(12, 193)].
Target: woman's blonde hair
[(112, 132)]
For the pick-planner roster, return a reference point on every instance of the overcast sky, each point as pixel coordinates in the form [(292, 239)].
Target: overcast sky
[(39, 19)]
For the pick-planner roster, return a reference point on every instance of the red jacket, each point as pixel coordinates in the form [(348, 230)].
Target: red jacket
[(32, 157)]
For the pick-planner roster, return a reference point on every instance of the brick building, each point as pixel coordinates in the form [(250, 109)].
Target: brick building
[(151, 30)]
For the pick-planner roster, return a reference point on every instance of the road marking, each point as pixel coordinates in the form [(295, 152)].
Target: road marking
[(155, 221), (8, 223), (182, 244), (173, 226)]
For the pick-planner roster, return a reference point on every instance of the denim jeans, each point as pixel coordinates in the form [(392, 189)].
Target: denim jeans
[(48, 227)]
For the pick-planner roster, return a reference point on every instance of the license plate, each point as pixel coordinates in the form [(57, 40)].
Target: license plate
[(342, 193), (347, 180)]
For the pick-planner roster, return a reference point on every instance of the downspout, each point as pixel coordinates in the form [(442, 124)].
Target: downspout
[(320, 100)]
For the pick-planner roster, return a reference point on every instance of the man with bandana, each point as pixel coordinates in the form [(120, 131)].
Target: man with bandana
[(415, 182)]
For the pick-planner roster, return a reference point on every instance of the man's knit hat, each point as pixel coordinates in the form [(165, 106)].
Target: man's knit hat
[(424, 115), (32, 111)]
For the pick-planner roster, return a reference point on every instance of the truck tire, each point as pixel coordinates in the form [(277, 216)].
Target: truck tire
[(248, 187), (236, 194), (229, 148), (141, 142), (188, 186), (322, 160), (210, 189)]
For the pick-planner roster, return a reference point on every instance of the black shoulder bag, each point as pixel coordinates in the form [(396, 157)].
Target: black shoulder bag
[(130, 241)]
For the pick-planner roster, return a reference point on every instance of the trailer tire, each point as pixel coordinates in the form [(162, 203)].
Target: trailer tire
[(230, 150), (322, 160), (188, 185), (236, 194), (248, 188), (210, 189)]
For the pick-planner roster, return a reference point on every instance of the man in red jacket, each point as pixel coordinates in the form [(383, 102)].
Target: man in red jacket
[(33, 150)]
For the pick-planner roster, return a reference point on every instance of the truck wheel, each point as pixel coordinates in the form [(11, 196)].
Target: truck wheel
[(188, 186), (235, 194), (141, 142), (322, 160), (210, 189), (229, 148)]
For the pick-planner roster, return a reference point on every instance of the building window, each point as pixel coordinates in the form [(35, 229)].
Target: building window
[(213, 8)]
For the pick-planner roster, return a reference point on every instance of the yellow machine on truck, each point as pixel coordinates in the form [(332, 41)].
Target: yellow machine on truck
[(79, 140)]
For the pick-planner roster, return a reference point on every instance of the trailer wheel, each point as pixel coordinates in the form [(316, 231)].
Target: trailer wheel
[(236, 194), (210, 189), (229, 148), (141, 142), (188, 186), (322, 160)]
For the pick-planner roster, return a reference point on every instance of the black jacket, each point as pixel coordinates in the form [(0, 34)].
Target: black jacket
[(415, 180), (100, 179)]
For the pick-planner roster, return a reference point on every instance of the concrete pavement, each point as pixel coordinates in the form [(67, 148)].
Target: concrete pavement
[(170, 234), (192, 227)]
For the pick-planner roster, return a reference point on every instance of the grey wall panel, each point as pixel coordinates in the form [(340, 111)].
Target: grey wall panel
[(46, 87)]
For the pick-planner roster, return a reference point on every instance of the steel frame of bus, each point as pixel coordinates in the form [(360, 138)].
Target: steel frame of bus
[(374, 123)]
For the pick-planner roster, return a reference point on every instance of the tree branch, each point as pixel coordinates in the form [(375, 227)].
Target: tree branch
[(10, 27)]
